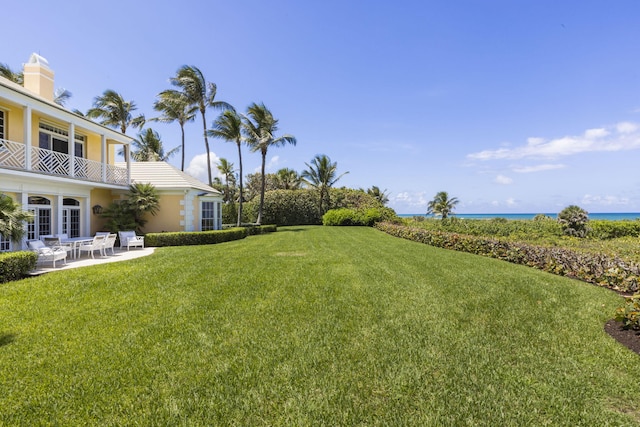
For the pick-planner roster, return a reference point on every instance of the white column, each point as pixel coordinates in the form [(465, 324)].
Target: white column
[(85, 229), (103, 156), (27, 135), (127, 156), (23, 199), (71, 148), (58, 210)]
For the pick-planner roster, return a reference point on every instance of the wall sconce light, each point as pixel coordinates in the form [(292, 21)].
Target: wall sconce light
[(97, 209)]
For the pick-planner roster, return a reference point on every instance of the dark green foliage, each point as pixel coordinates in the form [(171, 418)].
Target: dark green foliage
[(601, 229), (229, 213), (186, 238), (300, 207), (599, 269), (129, 214), (16, 265), (287, 207), (574, 221)]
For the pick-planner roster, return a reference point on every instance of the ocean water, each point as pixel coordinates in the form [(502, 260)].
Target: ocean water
[(619, 216)]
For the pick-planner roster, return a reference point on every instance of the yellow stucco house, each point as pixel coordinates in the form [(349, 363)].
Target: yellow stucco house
[(64, 183)]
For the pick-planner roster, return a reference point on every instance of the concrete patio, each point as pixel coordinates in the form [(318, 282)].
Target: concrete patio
[(86, 260)]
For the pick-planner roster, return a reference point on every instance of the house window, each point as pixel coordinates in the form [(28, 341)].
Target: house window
[(56, 139), (40, 207), (5, 244), (71, 217), (208, 218)]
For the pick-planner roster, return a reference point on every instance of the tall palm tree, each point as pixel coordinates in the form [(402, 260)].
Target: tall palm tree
[(288, 179), (175, 107), (61, 96), (225, 167), (260, 128), (200, 94), (12, 219), (321, 175), (442, 205), (115, 111), (378, 194), (228, 126), (148, 148), (14, 76)]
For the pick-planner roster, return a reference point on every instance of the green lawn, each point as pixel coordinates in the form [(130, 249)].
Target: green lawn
[(312, 326)]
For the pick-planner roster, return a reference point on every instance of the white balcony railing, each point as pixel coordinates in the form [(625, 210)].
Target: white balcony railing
[(13, 155)]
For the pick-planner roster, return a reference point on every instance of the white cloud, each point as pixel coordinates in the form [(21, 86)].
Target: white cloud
[(197, 167), (411, 199), (511, 202), (589, 199), (622, 136), (269, 166), (538, 168), (505, 180)]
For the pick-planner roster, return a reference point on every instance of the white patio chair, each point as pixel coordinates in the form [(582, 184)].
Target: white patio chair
[(109, 243), (46, 253), (129, 239), (97, 244), (54, 243)]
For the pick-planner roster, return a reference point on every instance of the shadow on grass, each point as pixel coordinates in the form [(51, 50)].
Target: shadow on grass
[(292, 229), (6, 339)]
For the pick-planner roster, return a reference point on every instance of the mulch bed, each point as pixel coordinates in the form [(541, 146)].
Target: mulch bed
[(627, 337)]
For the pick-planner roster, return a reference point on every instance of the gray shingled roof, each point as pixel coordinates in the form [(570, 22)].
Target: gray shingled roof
[(164, 176)]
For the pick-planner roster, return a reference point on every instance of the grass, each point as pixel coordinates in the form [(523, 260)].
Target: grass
[(312, 326)]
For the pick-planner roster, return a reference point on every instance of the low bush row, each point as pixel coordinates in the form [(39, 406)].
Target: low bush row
[(16, 265), (598, 269), (186, 238), (366, 217)]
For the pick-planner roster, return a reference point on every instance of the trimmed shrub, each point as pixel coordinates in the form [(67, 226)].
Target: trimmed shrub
[(254, 230), (366, 217), (16, 265), (186, 238), (598, 269)]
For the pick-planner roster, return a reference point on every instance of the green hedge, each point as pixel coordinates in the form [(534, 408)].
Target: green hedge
[(16, 265), (186, 238), (603, 229), (253, 230), (364, 217), (599, 269)]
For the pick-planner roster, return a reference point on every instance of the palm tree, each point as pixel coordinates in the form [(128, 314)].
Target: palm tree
[(61, 96), (148, 148), (115, 111), (228, 126), (201, 94), (288, 179), (14, 76), (442, 205), (175, 107), (12, 219), (321, 175), (225, 167), (143, 198), (380, 196), (260, 127)]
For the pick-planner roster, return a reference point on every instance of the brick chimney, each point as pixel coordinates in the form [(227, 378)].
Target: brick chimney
[(38, 77)]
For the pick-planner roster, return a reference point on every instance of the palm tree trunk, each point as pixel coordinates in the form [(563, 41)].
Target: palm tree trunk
[(206, 145), (240, 204), (262, 188), (182, 129)]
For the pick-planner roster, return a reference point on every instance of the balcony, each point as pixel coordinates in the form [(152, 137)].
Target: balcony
[(13, 155)]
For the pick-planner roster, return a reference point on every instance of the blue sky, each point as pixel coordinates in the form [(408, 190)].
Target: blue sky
[(510, 106)]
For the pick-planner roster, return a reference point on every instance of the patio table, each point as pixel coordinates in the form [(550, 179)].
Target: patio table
[(76, 242)]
